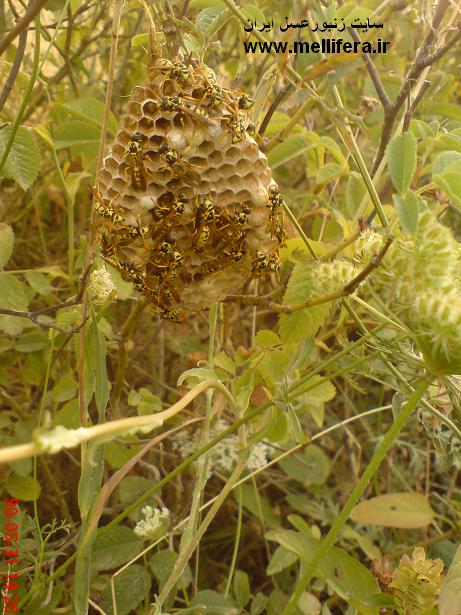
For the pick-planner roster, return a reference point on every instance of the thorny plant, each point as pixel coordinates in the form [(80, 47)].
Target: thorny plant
[(367, 316)]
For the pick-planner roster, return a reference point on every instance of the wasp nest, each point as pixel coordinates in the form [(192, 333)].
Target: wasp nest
[(189, 211)]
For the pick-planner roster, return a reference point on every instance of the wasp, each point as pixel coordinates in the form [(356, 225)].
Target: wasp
[(201, 237), (213, 95), (245, 102), (251, 130), (170, 103), (135, 155), (232, 229), (230, 257), (173, 159), (204, 216), (238, 128), (176, 315), (180, 72), (106, 211), (169, 294)]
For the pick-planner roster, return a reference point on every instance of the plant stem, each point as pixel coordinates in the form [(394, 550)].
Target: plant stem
[(357, 492)]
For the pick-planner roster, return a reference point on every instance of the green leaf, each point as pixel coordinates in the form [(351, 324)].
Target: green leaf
[(450, 183), (329, 172), (13, 296), (65, 389), (117, 455), (281, 559), (39, 282), (23, 488), (348, 578), (214, 603), (408, 209), (6, 243), (131, 588), (162, 564), (308, 604), (401, 160), (23, 162), (355, 192), (302, 323), (88, 110), (309, 466), (140, 40), (450, 595), (114, 546), (145, 401), (266, 339), (291, 148), (257, 504), (402, 510), (241, 587), (80, 137), (259, 604), (32, 341)]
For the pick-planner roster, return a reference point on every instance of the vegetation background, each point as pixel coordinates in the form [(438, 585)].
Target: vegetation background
[(352, 396)]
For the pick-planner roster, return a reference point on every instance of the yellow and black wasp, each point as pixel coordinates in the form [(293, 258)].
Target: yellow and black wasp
[(107, 211), (164, 214), (173, 159), (135, 156), (176, 315), (275, 205), (204, 217)]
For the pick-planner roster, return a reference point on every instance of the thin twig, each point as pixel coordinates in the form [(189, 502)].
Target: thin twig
[(15, 68), (374, 75), (421, 61), (35, 316), (33, 10)]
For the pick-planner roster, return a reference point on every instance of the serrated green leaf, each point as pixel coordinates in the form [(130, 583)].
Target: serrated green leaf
[(32, 341), (23, 488), (114, 547), (39, 282), (407, 208), (401, 160), (131, 588), (402, 510), (6, 243), (23, 162), (13, 296), (450, 595)]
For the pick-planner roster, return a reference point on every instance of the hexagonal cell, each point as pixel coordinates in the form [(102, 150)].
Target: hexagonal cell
[(134, 108)]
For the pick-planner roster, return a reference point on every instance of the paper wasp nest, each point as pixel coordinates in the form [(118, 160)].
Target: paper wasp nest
[(187, 205)]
